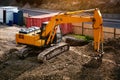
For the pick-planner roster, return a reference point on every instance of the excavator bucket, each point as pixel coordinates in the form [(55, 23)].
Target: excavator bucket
[(94, 62)]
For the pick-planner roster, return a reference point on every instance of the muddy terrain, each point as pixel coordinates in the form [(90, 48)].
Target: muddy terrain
[(67, 66)]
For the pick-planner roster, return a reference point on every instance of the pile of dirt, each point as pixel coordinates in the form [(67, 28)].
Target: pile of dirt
[(110, 7), (67, 66), (113, 45), (8, 2), (76, 42), (7, 41), (110, 67)]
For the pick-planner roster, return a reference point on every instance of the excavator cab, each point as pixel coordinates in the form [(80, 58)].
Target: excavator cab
[(42, 28), (58, 35)]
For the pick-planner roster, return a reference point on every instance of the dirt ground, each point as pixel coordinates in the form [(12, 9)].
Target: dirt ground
[(67, 66)]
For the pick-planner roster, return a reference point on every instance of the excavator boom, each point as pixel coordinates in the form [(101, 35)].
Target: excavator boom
[(68, 18)]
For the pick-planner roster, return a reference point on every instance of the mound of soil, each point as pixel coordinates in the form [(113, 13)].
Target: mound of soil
[(113, 45), (76, 42), (67, 66)]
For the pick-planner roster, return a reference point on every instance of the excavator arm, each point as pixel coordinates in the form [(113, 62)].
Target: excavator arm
[(69, 18)]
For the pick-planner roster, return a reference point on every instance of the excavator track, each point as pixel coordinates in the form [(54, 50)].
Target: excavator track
[(45, 54), (23, 53), (53, 51)]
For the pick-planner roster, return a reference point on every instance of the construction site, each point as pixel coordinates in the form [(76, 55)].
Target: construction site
[(56, 43)]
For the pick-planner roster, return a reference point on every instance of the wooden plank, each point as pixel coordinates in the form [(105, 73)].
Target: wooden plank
[(77, 30), (117, 31), (88, 32), (108, 29)]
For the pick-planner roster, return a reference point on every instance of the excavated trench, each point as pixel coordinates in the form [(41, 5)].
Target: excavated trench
[(76, 42)]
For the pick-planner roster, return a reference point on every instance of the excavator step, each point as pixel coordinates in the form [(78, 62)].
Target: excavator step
[(53, 51)]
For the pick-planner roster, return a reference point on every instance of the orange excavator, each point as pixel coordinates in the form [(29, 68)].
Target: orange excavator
[(49, 35)]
